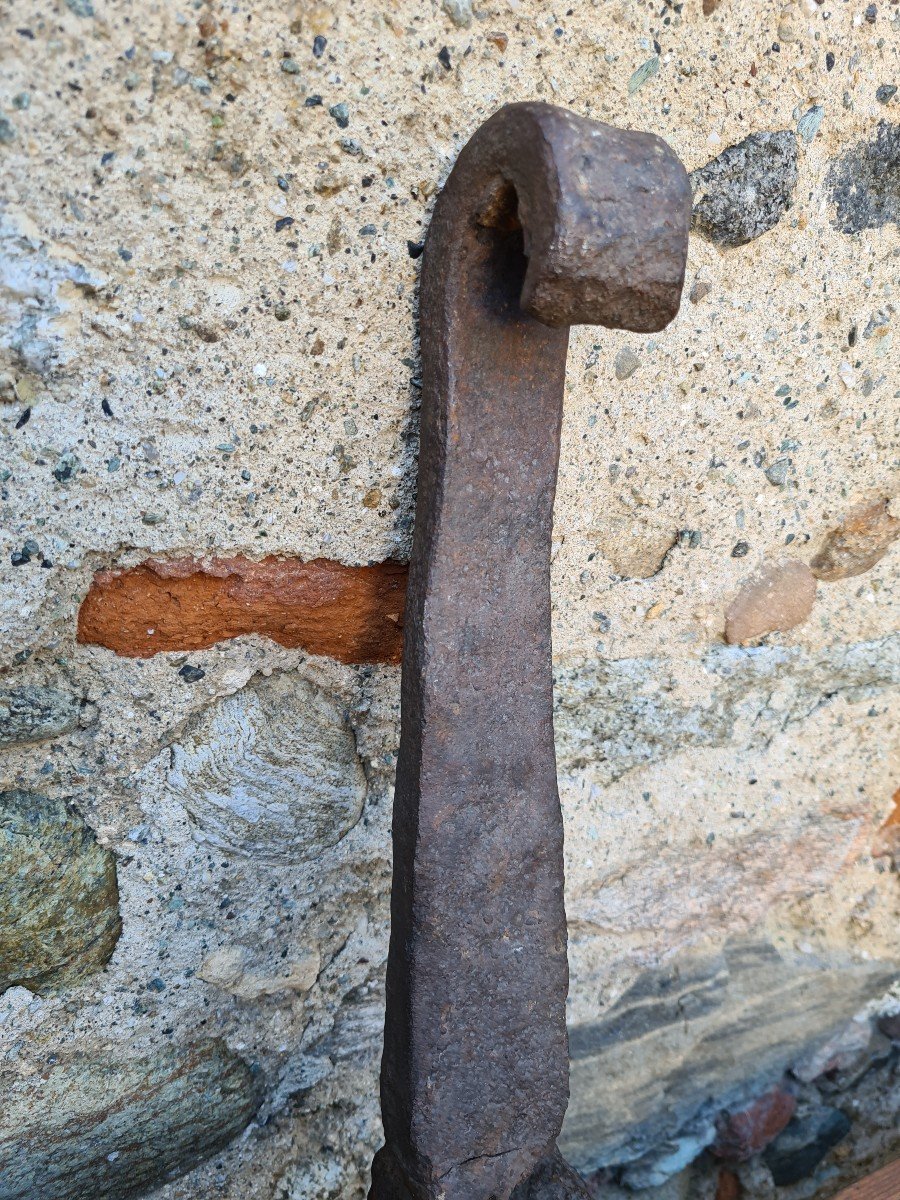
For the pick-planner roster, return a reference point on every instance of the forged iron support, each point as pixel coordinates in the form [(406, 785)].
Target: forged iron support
[(547, 220)]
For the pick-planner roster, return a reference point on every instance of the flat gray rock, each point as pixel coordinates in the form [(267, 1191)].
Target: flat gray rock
[(106, 1128)]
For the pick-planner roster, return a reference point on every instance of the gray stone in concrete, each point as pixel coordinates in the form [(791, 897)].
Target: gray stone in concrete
[(701, 1034), (271, 771), (617, 715), (864, 183), (33, 714), (746, 190)]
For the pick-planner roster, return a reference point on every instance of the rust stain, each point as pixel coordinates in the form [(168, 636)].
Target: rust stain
[(353, 614), (894, 817), (887, 839)]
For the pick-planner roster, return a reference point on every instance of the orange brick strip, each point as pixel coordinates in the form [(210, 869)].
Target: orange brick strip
[(353, 614), (883, 1185)]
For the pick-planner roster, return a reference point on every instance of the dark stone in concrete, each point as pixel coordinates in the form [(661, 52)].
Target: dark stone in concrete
[(864, 183), (109, 1129), (62, 888), (33, 714), (746, 190), (796, 1153)]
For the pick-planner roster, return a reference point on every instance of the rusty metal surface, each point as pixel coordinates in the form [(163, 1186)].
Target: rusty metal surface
[(548, 219), (883, 1185)]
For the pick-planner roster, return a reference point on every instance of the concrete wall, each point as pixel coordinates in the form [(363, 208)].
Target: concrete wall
[(210, 221)]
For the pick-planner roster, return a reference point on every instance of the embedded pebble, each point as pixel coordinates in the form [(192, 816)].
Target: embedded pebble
[(861, 540), (778, 597), (235, 970), (746, 190), (33, 714), (271, 771), (109, 1126), (459, 12), (627, 362), (864, 183)]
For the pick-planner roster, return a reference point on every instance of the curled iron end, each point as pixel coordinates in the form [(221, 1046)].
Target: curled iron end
[(605, 214)]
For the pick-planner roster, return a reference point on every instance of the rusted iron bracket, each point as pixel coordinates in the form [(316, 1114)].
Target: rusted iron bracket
[(547, 220)]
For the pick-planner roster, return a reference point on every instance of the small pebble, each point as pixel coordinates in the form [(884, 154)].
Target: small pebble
[(778, 597), (319, 44), (341, 114), (886, 93), (778, 472), (459, 12), (642, 74), (809, 124), (862, 539), (847, 375), (626, 363), (444, 58)]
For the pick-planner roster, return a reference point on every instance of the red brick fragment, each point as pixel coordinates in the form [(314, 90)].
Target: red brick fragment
[(742, 1134), (353, 614), (729, 1186)]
